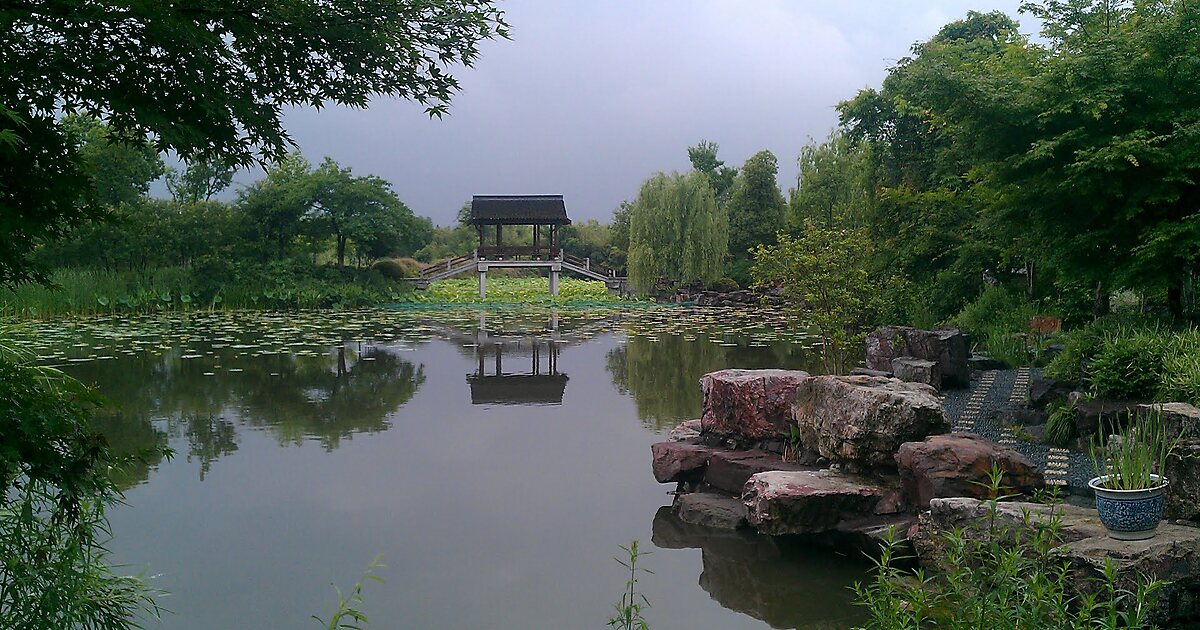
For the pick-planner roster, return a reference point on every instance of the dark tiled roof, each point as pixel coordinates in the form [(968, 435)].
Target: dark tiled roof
[(518, 209)]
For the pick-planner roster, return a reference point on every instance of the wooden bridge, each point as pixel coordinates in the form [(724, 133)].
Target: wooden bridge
[(583, 267), (538, 211)]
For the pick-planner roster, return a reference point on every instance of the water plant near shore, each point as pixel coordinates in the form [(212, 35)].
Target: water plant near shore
[(629, 609), (999, 578)]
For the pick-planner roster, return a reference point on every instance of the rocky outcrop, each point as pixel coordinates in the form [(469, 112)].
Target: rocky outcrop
[(949, 348), (983, 363), (858, 422), (957, 465), (749, 405), (1173, 554), (679, 461), (807, 502), (914, 370)]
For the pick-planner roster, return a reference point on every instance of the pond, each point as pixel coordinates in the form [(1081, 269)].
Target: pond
[(495, 461)]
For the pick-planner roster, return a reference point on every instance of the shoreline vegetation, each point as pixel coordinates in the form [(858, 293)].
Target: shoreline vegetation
[(92, 292)]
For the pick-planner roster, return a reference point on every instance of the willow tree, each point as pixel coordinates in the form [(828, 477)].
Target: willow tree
[(677, 232)]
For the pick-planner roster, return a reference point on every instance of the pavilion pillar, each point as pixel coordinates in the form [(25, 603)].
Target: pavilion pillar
[(554, 271), (482, 282)]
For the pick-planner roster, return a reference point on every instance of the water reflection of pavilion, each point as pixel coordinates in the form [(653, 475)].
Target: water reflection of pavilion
[(536, 380), (518, 367)]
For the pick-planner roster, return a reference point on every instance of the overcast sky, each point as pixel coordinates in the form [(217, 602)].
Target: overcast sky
[(589, 99)]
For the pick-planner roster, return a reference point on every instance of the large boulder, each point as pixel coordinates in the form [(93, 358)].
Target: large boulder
[(749, 405), (957, 465), (1092, 416), (807, 502), (859, 422), (949, 348), (679, 461), (1043, 391)]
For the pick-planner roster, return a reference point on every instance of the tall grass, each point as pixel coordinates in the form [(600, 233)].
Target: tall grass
[(1143, 360), (999, 319), (1131, 458)]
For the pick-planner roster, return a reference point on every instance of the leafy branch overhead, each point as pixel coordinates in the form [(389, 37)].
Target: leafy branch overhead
[(212, 78)]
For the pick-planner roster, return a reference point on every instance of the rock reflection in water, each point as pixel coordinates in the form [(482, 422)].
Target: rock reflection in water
[(785, 583)]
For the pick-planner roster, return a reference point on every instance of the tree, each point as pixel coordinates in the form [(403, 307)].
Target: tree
[(207, 79), (364, 211), (199, 180), (835, 185), (703, 157), (272, 210), (756, 210), (676, 232), (120, 170), (823, 271)]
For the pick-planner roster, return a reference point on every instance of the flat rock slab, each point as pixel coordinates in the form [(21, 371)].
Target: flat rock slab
[(1179, 418), (729, 470), (807, 502), (861, 421), (1173, 554), (749, 405), (957, 465), (711, 510), (679, 461)]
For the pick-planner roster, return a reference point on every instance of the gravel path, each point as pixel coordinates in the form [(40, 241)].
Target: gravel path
[(978, 409)]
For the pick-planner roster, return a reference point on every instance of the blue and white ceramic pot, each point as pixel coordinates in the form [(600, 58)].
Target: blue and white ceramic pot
[(1130, 514)]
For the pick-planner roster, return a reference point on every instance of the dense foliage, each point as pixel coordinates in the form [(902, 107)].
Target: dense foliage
[(1132, 360)]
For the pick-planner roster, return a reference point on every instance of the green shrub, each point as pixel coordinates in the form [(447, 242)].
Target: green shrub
[(1181, 369), (1060, 424), (397, 268), (724, 285), (1127, 365), (997, 319)]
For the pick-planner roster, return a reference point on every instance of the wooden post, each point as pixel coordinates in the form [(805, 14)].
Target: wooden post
[(482, 282)]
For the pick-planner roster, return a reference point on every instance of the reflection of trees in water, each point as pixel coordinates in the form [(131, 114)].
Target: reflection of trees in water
[(663, 376), (323, 397)]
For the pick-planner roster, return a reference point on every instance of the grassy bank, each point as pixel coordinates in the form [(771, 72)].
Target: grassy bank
[(93, 292)]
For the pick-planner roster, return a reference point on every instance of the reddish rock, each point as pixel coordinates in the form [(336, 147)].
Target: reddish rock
[(729, 470), (807, 502), (860, 421), (679, 461), (949, 348), (957, 465), (750, 405)]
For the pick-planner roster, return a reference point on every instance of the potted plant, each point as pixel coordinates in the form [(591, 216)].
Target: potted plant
[(1130, 487)]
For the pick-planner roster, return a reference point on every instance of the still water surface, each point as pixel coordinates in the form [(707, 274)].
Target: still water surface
[(494, 460)]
